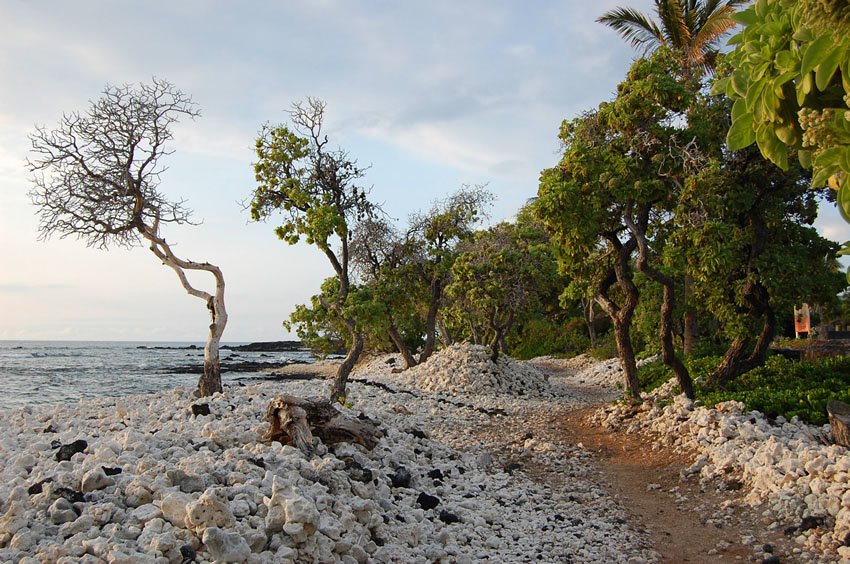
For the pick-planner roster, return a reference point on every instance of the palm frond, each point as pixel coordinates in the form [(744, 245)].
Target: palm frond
[(672, 16), (634, 27), (714, 27), (693, 27)]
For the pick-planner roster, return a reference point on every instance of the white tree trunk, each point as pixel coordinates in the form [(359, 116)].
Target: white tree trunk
[(210, 381)]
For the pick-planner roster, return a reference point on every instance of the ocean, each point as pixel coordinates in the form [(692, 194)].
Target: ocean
[(45, 372)]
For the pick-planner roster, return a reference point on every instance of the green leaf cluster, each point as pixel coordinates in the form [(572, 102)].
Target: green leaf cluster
[(791, 87), (790, 388), (501, 275)]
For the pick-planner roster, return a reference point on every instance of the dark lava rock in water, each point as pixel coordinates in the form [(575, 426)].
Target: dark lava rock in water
[(448, 517), (400, 478), (427, 502), (65, 452), (200, 409)]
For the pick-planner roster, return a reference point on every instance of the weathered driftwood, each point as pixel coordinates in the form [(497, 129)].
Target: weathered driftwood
[(839, 419), (295, 420)]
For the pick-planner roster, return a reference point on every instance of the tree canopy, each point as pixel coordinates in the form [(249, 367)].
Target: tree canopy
[(316, 189)]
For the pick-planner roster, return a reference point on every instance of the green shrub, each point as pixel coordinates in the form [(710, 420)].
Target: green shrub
[(788, 388), (653, 374), (606, 348), (656, 373), (540, 336), (780, 387)]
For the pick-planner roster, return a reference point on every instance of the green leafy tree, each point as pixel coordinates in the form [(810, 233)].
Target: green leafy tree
[(745, 233), (498, 278), (316, 190), (608, 201), (692, 28), (432, 241), (791, 88), (551, 325), (383, 260)]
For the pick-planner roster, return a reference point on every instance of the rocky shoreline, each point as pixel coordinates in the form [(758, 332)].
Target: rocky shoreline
[(154, 482), (167, 478)]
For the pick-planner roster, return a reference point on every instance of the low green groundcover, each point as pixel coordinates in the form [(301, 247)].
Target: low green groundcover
[(780, 387)]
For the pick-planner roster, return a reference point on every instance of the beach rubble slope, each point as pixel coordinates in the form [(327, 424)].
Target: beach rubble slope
[(162, 478), (166, 477)]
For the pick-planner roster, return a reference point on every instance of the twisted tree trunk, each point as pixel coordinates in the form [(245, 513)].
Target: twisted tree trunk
[(401, 346), (668, 304), (690, 336), (621, 315), (210, 381), (341, 379), (431, 320)]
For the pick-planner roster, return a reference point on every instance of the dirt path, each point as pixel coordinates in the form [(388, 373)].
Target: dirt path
[(681, 519), (686, 522)]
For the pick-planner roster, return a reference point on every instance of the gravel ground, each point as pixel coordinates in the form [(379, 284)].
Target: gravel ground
[(142, 479)]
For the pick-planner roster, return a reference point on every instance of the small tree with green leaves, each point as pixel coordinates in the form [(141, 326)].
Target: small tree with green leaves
[(316, 189), (500, 276), (383, 261), (432, 242)]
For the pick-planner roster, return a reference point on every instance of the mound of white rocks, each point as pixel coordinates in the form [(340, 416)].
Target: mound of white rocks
[(783, 467), (465, 368), (575, 363), (606, 372)]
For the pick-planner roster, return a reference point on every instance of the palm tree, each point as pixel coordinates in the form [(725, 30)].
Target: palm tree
[(692, 27)]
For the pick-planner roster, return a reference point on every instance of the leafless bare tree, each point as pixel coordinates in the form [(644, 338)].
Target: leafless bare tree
[(96, 176)]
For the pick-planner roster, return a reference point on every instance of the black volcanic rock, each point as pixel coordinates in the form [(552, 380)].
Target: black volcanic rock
[(427, 502), (65, 452), (400, 478), (270, 346), (200, 409), (448, 517)]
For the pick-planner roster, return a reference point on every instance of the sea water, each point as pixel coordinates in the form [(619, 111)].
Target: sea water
[(43, 372)]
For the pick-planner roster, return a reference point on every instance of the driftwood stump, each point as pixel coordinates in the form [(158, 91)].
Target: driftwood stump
[(294, 421), (839, 419)]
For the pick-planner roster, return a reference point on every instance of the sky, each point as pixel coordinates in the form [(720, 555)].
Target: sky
[(430, 95)]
